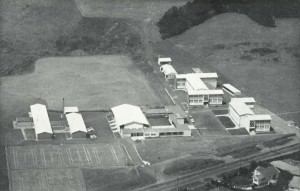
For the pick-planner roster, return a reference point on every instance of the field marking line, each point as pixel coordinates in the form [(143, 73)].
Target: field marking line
[(43, 156), (87, 155), (8, 169), (170, 96), (22, 184), (77, 151), (25, 158), (62, 158), (69, 177), (121, 151), (138, 153), (70, 155), (128, 154), (33, 157), (78, 179), (14, 155), (43, 180), (114, 154), (96, 154)]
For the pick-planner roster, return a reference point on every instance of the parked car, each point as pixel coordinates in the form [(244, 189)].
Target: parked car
[(91, 133), (191, 119)]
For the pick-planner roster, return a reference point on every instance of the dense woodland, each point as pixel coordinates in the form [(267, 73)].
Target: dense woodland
[(177, 20)]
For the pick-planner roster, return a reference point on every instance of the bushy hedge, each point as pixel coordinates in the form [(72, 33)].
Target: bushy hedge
[(177, 20)]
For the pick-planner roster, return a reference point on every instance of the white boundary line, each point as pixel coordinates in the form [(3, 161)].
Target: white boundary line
[(43, 156), (87, 155), (114, 154), (96, 155), (33, 157), (170, 96), (8, 170), (15, 163), (70, 156), (138, 153)]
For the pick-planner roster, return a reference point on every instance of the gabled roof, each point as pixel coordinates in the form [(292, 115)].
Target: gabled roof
[(260, 117), (295, 182), (125, 114), (206, 92), (76, 122), (267, 171), (40, 119), (71, 110), (240, 108), (199, 75), (168, 69)]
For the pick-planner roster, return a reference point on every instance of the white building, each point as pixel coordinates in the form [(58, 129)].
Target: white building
[(231, 89), (42, 126), (162, 61), (131, 121), (168, 71), (244, 117), (249, 101), (76, 125), (201, 88)]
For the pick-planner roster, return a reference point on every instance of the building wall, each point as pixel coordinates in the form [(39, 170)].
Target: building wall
[(234, 115), (215, 100), (44, 136), (196, 100), (180, 83), (133, 126), (79, 135)]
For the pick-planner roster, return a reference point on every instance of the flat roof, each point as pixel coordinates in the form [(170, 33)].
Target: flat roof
[(76, 122), (126, 113), (259, 117), (231, 88), (165, 59), (196, 83), (206, 92), (40, 119), (199, 75), (176, 110), (240, 108), (180, 128), (244, 99), (73, 109), (168, 69), (197, 70)]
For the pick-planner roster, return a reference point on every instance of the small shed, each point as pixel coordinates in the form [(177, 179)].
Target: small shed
[(162, 61), (71, 110)]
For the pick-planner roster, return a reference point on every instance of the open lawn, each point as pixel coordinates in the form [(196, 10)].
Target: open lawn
[(98, 82), (120, 179), (69, 179), (262, 62), (207, 123), (226, 121), (134, 9), (240, 131)]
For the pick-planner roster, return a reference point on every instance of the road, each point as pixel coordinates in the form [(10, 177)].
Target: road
[(196, 176)]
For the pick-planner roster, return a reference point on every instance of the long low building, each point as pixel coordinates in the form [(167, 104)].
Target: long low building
[(201, 88), (42, 125), (244, 117), (137, 123), (76, 125), (168, 71)]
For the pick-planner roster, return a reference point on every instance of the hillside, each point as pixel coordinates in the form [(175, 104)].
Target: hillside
[(263, 62)]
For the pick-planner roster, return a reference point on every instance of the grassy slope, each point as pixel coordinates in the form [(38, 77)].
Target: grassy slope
[(220, 44), (116, 179)]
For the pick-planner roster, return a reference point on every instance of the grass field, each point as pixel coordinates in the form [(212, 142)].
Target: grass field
[(207, 123), (116, 179), (87, 82), (249, 56), (226, 121), (47, 180), (134, 9)]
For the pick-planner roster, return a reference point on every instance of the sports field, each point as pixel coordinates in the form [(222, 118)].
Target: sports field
[(64, 156), (96, 82), (69, 179)]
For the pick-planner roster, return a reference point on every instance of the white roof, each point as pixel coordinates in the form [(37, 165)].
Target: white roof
[(293, 169), (295, 182), (244, 99), (259, 117), (40, 119), (231, 88), (197, 70), (164, 60), (168, 69), (199, 75), (71, 109), (125, 114), (76, 122), (196, 83), (206, 92), (241, 108)]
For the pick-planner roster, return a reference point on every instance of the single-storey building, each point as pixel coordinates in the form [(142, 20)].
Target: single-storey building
[(168, 71), (263, 175), (231, 90), (76, 125), (71, 110), (41, 122), (244, 117), (136, 123), (294, 184), (288, 165), (209, 79), (162, 61)]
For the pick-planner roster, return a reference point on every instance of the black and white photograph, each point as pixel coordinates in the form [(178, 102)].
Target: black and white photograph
[(149, 95)]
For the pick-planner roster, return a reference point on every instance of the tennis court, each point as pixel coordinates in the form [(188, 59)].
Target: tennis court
[(53, 156)]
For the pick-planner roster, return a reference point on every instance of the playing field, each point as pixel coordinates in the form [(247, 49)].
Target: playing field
[(70, 179), (134, 9), (54, 156), (96, 82)]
